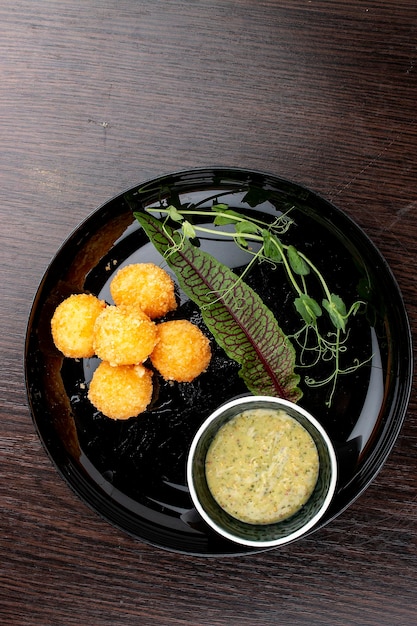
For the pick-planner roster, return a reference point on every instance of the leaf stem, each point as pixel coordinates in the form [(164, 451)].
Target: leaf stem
[(234, 216), (280, 247), (318, 274)]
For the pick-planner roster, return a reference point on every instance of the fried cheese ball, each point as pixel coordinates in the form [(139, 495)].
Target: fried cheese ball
[(182, 352), (122, 391), (124, 336), (72, 325), (146, 286)]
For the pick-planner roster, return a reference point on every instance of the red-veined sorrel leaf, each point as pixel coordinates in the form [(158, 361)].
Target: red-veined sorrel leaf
[(236, 316)]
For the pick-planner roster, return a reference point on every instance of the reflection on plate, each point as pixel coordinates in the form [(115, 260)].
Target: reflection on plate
[(133, 472)]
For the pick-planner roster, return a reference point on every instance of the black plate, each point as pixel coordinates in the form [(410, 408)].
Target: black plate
[(133, 472)]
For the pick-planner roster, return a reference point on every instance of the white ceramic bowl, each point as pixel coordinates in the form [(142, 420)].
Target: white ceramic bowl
[(261, 535)]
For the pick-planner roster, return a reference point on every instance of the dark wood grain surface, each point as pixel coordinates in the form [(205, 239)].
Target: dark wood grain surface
[(98, 96)]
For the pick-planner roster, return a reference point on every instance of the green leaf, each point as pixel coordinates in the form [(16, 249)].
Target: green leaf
[(228, 217), (188, 230), (236, 316), (298, 265), (337, 311), (247, 228), (244, 229), (220, 207), (272, 246), (308, 308), (174, 214)]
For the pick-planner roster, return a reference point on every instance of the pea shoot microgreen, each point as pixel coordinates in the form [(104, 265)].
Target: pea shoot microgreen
[(263, 241)]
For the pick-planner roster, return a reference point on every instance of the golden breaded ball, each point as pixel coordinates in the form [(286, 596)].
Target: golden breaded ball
[(182, 352), (72, 325), (124, 336), (146, 286), (122, 391)]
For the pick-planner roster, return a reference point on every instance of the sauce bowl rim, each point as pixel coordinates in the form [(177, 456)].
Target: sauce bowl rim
[(281, 403)]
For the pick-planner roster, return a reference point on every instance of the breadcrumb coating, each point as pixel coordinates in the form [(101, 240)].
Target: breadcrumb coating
[(124, 336), (72, 325), (144, 285), (182, 352), (122, 391)]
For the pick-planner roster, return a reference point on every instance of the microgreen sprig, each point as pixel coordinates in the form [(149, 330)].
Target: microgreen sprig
[(263, 241)]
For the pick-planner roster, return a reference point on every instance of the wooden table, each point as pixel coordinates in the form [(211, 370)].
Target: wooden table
[(96, 97)]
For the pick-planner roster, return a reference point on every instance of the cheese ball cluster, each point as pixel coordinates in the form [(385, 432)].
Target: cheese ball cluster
[(124, 336)]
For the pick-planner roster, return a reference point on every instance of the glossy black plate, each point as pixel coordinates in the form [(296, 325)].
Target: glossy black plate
[(133, 472)]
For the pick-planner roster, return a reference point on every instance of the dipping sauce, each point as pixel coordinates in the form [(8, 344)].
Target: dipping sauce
[(262, 466)]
